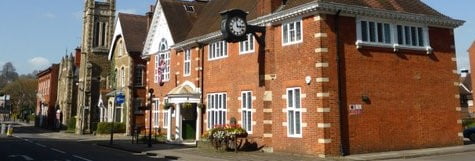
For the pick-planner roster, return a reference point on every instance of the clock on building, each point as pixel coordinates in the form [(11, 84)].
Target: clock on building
[(234, 25)]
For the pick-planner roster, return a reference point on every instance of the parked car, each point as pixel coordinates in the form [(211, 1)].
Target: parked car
[(469, 133)]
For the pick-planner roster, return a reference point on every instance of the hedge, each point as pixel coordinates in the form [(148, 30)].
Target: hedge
[(105, 128)]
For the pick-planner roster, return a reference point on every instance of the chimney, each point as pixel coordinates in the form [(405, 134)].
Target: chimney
[(149, 15), (269, 6), (77, 57)]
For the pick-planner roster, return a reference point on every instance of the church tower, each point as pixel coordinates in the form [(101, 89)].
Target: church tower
[(98, 26)]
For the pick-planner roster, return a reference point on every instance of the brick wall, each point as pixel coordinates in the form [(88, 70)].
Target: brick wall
[(412, 95)]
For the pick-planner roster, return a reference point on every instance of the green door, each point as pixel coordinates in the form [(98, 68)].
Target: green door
[(189, 129)]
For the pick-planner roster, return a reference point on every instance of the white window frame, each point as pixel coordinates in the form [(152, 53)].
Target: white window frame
[(286, 31), (217, 50), (166, 71), (247, 46), (217, 109), (377, 39), (187, 63), (166, 114), (155, 113), (425, 35), (293, 108), (155, 74), (246, 111), (394, 35)]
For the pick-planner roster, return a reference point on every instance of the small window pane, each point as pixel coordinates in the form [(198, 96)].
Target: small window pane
[(372, 33), (413, 36), (290, 97), (249, 120), (400, 35), (380, 32), (407, 32), (297, 122), (286, 34), (224, 101), (249, 100), (244, 100), (420, 33), (299, 32), (364, 30), (297, 98), (290, 124), (387, 33)]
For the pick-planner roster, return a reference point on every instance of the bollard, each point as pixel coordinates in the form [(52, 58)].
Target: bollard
[(3, 129), (10, 130)]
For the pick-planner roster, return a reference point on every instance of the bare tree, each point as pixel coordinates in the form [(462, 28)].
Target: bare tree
[(8, 74)]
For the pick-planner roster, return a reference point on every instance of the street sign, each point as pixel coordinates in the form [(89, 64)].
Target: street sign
[(120, 99)]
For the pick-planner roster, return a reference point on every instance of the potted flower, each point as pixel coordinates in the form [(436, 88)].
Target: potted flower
[(167, 106)]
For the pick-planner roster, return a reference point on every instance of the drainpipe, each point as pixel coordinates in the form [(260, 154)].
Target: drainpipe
[(343, 150), (201, 71)]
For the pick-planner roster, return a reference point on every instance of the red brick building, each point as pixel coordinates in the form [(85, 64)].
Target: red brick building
[(328, 77), (471, 54), (47, 94)]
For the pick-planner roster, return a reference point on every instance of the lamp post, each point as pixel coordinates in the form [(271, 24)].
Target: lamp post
[(150, 91)]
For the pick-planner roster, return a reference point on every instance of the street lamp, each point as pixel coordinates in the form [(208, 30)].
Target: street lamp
[(150, 91)]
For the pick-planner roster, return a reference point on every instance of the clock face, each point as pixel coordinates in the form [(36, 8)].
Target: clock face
[(237, 26)]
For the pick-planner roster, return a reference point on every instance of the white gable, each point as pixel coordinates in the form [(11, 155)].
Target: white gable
[(117, 32), (158, 30)]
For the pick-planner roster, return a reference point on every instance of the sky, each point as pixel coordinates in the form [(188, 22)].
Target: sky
[(36, 33)]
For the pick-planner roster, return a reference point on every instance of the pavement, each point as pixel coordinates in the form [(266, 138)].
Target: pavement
[(164, 151), (407, 154)]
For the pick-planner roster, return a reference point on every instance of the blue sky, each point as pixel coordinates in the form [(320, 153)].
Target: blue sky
[(36, 33)]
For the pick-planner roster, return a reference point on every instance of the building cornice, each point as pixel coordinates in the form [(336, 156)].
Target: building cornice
[(315, 7)]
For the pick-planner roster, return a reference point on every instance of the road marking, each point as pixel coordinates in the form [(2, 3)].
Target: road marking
[(57, 150), (44, 146), (23, 156), (81, 158)]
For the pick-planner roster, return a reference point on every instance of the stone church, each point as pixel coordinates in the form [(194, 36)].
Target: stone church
[(98, 25), (67, 88)]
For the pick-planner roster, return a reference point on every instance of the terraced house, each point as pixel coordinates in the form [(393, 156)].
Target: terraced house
[(327, 77), (128, 72)]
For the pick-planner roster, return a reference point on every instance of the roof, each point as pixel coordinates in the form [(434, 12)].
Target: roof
[(208, 21), (180, 20), (48, 70), (406, 6), (134, 31)]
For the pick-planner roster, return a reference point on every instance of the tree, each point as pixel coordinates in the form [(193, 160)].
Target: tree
[(22, 93), (8, 74)]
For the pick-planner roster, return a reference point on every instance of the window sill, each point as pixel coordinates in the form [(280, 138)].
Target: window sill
[(396, 47), (295, 136), (292, 43), (213, 59), (246, 52)]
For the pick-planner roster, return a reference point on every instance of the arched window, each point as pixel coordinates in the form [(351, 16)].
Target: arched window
[(163, 45)]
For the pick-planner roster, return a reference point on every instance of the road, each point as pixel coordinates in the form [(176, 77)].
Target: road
[(32, 144)]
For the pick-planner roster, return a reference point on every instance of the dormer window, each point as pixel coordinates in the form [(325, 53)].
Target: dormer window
[(189, 8)]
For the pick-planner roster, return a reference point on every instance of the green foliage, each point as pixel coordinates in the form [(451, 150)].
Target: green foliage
[(468, 122), (105, 128), (167, 106), (71, 124)]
